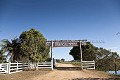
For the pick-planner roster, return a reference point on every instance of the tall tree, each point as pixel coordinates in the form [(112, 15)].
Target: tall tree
[(11, 48), (1, 56), (115, 61), (105, 59), (33, 46), (109, 61), (88, 51)]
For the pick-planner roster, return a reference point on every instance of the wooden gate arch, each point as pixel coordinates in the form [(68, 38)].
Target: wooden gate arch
[(67, 43)]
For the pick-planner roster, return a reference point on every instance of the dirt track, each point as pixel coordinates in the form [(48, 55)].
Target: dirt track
[(69, 74), (63, 72)]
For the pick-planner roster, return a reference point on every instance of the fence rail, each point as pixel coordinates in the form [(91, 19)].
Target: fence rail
[(88, 65), (17, 67), (3, 68)]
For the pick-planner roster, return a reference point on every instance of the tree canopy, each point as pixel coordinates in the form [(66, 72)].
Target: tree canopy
[(33, 46), (105, 59), (87, 50), (11, 47), (29, 47)]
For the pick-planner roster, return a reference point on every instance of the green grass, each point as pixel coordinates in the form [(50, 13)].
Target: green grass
[(73, 63)]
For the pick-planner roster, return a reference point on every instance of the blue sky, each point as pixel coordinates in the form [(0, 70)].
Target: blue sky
[(94, 20)]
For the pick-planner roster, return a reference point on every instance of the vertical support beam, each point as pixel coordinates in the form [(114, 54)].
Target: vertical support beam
[(51, 48), (81, 50), (17, 67), (9, 66), (81, 54), (37, 66), (51, 55), (94, 64)]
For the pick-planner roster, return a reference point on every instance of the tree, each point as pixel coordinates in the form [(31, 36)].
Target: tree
[(58, 60), (62, 60), (2, 57), (87, 50), (115, 61), (11, 48), (33, 46), (105, 59)]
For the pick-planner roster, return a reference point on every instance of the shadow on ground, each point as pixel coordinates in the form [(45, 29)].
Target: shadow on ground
[(96, 79), (68, 68)]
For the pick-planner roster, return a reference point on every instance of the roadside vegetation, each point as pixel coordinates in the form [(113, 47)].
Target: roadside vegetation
[(71, 62), (29, 47), (105, 59)]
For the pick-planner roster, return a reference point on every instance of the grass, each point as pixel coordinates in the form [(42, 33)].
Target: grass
[(73, 63)]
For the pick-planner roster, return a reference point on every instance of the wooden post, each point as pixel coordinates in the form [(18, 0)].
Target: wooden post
[(51, 48), (94, 64), (9, 65), (115, 68), (37, 65), (81, 54), (51, 55), (17, 66)]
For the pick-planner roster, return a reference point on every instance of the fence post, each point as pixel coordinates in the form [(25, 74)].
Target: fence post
[(37, 66), (94, 65), (7, 69), (17, 66), (9, 65), (81, 64), (52, 64), (22, 66)]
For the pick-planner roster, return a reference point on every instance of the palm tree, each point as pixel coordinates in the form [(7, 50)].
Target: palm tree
[(12, 48), (1, 56)]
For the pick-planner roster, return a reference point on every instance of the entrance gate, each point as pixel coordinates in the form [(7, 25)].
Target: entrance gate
[(70, 43)]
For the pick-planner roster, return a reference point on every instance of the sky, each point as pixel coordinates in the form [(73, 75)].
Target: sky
[(98, 21)]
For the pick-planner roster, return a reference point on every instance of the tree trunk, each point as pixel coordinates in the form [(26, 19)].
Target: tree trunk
[(115, 69)]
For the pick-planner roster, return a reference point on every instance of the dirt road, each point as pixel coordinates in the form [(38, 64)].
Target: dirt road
[(62, 72), (70, 74)]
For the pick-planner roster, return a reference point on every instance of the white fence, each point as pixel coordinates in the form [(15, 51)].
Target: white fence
[(10, 67), (88, 65), (17, 67), (37, 65), (4, 68)]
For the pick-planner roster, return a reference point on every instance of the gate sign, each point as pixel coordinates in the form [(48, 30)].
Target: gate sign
[(66, 43)]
